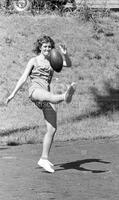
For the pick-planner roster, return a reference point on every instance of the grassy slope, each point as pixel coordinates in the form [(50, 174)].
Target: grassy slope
[(95, 56)]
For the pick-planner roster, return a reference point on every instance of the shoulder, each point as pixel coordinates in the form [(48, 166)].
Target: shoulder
[(30, 64), (32, 61)]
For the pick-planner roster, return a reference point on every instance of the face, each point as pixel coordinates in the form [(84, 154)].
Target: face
[(46, 49)]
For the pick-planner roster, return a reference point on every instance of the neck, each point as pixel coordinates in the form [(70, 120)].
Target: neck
[(43, 56)]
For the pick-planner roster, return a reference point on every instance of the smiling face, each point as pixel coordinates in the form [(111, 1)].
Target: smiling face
[(46, 49)]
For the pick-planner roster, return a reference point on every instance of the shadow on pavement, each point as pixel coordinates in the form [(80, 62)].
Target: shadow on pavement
[(77, 165), (1, 149)]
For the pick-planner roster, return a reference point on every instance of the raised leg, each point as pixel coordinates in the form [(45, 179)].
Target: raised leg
[(43, 95)]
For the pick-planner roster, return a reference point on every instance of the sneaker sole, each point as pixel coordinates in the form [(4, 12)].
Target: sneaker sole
[(45, 168)]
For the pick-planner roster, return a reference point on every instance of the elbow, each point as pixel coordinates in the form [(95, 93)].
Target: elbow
[(23, 80), (67, 64)]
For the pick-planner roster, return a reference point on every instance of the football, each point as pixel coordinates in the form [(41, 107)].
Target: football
[(56, 60)]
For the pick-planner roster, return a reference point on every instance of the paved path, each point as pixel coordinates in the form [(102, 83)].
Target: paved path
[(84, 171)]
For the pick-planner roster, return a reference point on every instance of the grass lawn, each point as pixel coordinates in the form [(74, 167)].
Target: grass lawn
[(94, 50)]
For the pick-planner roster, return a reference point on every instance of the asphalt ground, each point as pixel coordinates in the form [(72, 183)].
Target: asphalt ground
[(84, 170)]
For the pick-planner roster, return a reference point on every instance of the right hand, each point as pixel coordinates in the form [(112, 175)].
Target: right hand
[(9, 98), (63, 49)]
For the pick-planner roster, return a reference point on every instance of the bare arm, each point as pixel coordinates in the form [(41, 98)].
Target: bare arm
[(22, 80), (66, 59)]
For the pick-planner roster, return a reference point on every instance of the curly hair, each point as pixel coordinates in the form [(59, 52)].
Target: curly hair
[(40, 41)]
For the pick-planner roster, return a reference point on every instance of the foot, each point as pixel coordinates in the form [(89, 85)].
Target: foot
[(50, 163), (69, 93), (45, 164)]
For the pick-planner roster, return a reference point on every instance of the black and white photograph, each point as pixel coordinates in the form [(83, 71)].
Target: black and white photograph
[(59, 100)]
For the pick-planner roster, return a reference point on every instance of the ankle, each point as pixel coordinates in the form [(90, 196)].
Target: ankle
[(44, 158)]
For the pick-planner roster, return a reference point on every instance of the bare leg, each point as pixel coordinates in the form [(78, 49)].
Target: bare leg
[(43, 95), (51, 123), (50, 116)]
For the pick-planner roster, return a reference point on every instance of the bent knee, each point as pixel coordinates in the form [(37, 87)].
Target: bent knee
[(52, 130), (37, 95)]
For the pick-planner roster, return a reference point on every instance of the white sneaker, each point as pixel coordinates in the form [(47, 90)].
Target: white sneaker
[(50, 163), (45, 165), (69, 93)]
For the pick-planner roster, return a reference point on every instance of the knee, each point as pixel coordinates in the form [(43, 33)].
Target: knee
[(36, 95), (52, 131)]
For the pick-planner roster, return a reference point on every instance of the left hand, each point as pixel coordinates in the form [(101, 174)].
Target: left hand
[(63, 49), (9, 98)]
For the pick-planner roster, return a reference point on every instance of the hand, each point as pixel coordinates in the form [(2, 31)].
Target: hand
[(9, 98), (63, 49)]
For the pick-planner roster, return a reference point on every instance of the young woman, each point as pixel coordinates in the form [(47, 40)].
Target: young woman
[(40, 72)]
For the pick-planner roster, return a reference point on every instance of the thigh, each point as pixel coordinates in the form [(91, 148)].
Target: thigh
[(39, 91), (50, 114), (41, 95)]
